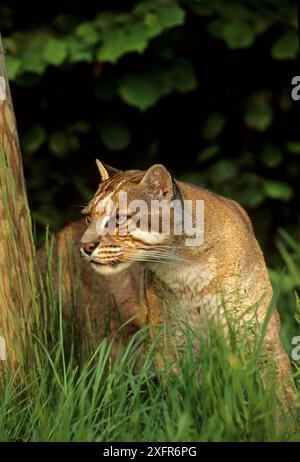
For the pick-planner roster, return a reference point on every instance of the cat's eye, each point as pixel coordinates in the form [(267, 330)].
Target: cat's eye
[(88, 220)]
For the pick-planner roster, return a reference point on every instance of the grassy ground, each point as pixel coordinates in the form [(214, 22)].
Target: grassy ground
[(217, 398)]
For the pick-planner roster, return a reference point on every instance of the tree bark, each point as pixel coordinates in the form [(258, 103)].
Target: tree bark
[(16, 245)]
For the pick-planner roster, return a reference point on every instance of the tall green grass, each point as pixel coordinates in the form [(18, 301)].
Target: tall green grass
[(68, 388), (217, 397)]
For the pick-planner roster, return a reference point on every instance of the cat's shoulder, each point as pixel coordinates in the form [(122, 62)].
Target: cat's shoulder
[(216, 204)]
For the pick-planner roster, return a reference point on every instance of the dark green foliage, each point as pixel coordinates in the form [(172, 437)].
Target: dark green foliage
[(202, 86)]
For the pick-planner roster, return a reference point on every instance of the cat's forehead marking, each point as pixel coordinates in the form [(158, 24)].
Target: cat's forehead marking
[(102, 204), (112, 187), (104, 196)]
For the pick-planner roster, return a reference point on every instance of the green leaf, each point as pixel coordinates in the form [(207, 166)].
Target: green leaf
[(271, 156), (88, 33), (235, 32), (223, 170), (55, 51), (208, 153), (248, 191), (286, 47), (144, 90), (127, 33), (215, 28), (33, 139), (13, 65), (181, 76), (278, 190), (59, 144), (251, 198), (78, 51), (213, 126), (159, 16), (80, 127), (139, 91), (238, 34), (30, 49), (115, 135), (120, 41), (293, 147), (258, 114)]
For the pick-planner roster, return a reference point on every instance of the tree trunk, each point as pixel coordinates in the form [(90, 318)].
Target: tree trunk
[(16, 247)]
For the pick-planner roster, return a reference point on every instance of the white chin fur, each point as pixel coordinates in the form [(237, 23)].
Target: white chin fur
[(107, 270)]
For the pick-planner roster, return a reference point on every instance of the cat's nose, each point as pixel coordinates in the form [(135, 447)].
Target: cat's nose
[(89, 247)]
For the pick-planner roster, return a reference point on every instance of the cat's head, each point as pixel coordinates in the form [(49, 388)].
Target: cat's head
[(127, 218)]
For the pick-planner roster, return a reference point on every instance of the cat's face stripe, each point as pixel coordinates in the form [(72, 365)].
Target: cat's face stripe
[(110, 252)]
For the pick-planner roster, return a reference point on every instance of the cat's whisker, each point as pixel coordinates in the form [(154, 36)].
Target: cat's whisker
[(157, 256)]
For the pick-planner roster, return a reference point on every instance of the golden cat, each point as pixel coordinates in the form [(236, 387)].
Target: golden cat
[(228, 263)]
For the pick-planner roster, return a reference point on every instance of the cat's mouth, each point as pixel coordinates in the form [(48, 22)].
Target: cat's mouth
[(112, 263), (109, 267)]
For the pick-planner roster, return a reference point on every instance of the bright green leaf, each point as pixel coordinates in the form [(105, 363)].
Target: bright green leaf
[(30, 49), (55, 51), (159, 16), (139, 91), (278, 190), (120, 41), (131, 32), (13, 65), (238, 34), (78, 51), (88, 33)]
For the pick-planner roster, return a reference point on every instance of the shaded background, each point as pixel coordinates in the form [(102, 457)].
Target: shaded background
[(201, 86)]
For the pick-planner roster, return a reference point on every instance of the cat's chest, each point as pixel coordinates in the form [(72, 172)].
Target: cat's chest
[(193, 288), (188, 283)]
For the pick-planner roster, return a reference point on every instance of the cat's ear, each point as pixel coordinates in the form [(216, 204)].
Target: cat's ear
[(159, 180), (106, 171)]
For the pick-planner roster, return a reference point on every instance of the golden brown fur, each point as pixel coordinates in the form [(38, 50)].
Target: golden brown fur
[(228, 268)]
